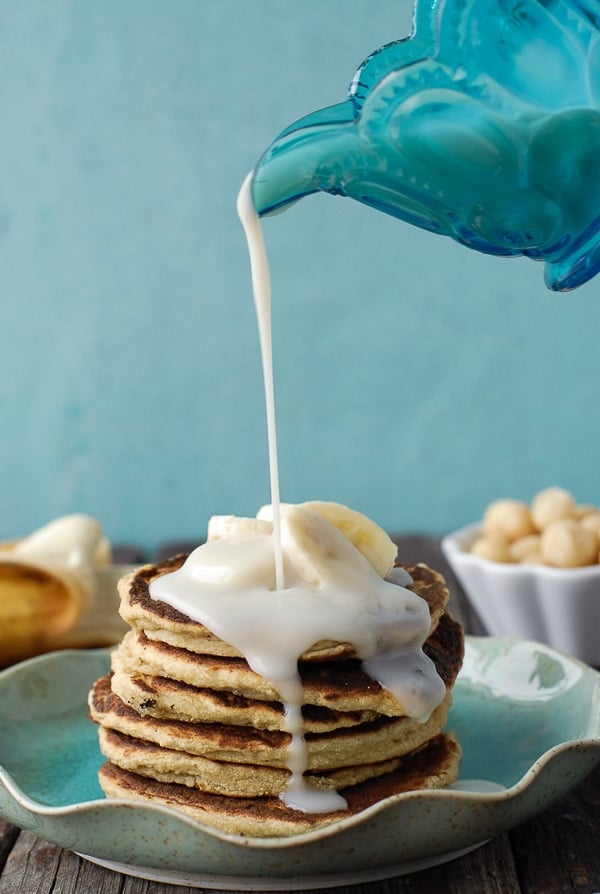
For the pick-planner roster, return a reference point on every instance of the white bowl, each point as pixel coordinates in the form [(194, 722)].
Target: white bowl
[(556, 606)]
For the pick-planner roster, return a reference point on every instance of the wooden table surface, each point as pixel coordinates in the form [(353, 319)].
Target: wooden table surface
[(557, 852)]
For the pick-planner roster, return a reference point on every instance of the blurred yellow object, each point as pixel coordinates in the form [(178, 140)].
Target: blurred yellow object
[(36, 609), (58, 590)]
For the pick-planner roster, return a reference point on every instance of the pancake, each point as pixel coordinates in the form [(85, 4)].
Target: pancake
[(185, 721), (339, 685), (433, 766), (168, 699), (160, 621), (222, 777), (373, 742)]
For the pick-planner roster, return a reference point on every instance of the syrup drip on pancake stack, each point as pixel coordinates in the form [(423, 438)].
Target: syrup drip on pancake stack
[(190, 720)]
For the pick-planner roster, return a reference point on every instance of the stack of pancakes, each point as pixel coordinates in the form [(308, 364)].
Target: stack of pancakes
[(185, 722)]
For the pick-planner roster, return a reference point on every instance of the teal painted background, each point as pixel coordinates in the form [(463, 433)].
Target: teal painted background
[(415, 380)]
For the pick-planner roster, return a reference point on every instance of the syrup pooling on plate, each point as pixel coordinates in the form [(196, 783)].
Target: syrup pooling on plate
[(275, 585)]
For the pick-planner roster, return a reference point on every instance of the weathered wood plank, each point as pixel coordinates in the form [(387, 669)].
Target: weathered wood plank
[(35, 866), (559, 851), (32, 865), (115, 883), (8, 837), (488, 869)]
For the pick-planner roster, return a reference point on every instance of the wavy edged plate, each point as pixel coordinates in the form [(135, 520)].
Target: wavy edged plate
[(528, 719)]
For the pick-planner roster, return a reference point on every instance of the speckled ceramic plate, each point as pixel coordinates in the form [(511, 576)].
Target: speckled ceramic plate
[(528, 719)]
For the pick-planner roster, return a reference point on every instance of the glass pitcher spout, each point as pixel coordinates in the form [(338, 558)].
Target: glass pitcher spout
[(482, 125), (303, 159)]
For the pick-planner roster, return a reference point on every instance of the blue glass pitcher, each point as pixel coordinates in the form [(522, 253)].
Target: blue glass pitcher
[(483, 125)]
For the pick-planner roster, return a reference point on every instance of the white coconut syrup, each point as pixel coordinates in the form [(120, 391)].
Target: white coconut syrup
[(272, 589)]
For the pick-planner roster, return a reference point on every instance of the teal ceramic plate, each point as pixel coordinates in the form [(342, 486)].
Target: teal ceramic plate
[(528, 719)]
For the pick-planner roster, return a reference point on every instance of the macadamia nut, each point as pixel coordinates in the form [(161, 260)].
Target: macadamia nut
[(554, 530), (492, 547), (551, 505), (526, 549), (509, 519), (591, 522), (567, 544)]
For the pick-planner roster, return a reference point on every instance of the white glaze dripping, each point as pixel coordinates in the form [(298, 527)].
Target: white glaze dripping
[(274, 589)]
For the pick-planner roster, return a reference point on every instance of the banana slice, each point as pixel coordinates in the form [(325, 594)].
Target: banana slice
[(316, 548), (366, 535), (228, 527)]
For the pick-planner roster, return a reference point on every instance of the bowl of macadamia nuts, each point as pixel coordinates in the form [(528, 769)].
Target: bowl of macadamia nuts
[(532, 571)]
